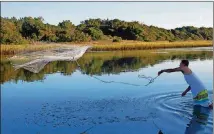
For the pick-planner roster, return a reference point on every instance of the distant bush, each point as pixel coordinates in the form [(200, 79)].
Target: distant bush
[(117, 39), (172, 40), (95, 33), (80, 36)]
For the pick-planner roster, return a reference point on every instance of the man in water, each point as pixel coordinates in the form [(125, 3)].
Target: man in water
[(199, 92)]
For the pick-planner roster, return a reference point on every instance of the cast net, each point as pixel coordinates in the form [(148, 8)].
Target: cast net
[(35, 61)]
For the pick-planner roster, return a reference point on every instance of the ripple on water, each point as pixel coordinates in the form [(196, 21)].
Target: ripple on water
[(75, 113), (172, 106)]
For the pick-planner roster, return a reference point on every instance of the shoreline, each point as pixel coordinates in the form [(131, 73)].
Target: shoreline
[(148, 48), (158, 49), (100, 46)]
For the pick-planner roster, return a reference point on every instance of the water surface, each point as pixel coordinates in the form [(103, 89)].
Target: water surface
[(106, 95)]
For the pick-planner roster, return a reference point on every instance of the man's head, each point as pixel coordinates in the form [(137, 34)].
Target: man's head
[(184, 63)]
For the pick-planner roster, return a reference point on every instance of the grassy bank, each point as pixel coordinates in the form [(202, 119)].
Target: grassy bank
[(13, 49), (136, 45), (108, 46)]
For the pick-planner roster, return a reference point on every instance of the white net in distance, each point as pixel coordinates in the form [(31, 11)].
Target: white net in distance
[(35, 61)]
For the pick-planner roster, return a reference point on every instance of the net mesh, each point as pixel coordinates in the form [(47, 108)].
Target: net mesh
[(149, 78), (35, 61)]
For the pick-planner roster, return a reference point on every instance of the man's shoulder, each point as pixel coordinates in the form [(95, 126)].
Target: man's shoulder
[(186, 70)]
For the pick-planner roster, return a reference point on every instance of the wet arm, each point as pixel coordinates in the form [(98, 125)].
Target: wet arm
[(187, 90), (170, 70)]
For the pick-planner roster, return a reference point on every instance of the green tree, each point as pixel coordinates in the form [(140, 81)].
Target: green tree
[(16, 31), (65, 31), (95, 33), (32, 28), (92, 23), (9, 33), (80, 36)]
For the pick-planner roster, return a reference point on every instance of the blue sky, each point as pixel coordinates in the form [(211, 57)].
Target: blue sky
[(162, 14)]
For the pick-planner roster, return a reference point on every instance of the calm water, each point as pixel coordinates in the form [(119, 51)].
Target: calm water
[(106, 96)]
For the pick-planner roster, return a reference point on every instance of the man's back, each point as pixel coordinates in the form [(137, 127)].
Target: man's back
[(195, 83)]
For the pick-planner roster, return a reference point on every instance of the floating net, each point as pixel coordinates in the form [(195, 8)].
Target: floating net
[(35, 61)]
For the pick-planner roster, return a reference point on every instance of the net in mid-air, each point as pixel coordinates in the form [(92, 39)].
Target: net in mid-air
[(35, 61)]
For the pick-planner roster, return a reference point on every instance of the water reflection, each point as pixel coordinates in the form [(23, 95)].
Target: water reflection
[(94, 63), (199, 120), (77, 103)]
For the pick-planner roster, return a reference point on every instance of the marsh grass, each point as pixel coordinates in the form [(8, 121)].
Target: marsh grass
[(107, 46), (13, 49), (137, 45)]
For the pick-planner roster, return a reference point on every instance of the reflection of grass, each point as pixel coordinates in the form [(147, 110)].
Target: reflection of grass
[(101, 63), (137, 45), (110, 62)]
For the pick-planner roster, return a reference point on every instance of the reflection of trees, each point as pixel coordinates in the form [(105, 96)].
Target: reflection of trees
[(8, 73), (101, 63), (119, 64)]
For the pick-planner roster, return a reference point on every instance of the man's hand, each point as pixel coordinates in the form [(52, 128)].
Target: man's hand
[(160, 72), (183, 94)]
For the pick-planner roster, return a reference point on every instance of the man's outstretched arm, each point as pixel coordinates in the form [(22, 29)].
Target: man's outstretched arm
[(187, 90), (178, 69)]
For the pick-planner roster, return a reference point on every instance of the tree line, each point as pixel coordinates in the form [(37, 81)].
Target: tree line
[(29, 29)]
